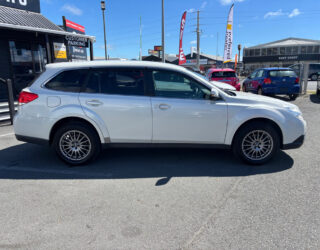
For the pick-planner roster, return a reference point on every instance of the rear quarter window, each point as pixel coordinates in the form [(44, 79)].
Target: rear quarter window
[(282, 73), (68, 81)]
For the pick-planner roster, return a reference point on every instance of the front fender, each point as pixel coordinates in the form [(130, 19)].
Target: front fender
[(241, 116)]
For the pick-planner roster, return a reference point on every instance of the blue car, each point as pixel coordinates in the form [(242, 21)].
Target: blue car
[(273, 81)]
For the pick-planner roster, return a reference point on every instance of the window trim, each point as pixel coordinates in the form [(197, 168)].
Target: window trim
[(118, 68), (152, 83), (43, 85)]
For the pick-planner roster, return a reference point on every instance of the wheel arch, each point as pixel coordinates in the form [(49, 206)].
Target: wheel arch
[(65, 120), (264, 120)]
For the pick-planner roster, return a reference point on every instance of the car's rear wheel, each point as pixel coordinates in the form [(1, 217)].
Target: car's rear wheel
[(293, 97), (256, 143), (76, 143)]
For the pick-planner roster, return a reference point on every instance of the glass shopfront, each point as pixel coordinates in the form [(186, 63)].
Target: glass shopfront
[(27, 61)]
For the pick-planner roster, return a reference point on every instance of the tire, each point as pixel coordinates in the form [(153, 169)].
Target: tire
[(244, 88), (314, 77), (84, 148), (249, 151), (260, 91), (293, 97)]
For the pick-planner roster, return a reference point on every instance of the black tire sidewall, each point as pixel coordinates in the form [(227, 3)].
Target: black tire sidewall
[(93, 137), (237, 143)]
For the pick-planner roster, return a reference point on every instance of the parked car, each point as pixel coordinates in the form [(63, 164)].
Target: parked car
[(228, 76), (78, 108), (273, 81), (314, 70), (221, 85)]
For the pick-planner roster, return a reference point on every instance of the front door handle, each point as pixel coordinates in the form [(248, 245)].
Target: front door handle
[(164, 106), (94, 103)]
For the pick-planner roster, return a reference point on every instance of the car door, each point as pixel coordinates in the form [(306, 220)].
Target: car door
[(117, 96), (247, 84), (183, 112)]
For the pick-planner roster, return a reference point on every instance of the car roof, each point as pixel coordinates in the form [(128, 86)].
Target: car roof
[(221, 69), (115, 63), (275, 68)]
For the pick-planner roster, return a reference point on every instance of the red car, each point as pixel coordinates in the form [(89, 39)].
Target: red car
[(224, 75)]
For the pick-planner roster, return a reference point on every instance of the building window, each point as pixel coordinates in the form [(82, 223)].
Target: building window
[(257, 52), (303, 50), (309, 49), (295, 50), (316, 49), (288, 50), (282, 51), (274, 51), (251, 52), (269, 52), (264, 52)]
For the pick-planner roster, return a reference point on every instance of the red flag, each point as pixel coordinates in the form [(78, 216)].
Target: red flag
[(182, 57)]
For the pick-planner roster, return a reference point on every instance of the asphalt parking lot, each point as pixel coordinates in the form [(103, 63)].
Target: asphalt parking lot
[(161, 198)]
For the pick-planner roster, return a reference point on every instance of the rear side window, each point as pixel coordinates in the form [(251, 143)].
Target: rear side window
[(68, 81), (219, 74), (282, 73), (116, 82)]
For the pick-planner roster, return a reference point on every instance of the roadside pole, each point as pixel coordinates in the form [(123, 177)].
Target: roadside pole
[(305, 77), (198, 40), (163, 50)]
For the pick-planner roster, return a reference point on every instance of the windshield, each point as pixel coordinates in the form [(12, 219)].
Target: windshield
[(219, 74)]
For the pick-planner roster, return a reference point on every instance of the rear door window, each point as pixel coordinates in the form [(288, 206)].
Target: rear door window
[(219, 74), (68, 81), (282, 73), (116, 82)]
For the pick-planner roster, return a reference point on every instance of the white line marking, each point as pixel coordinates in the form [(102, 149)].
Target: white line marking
[(6, 134)]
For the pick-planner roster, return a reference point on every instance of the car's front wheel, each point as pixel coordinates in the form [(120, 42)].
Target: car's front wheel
[(256, 143), (76, 143)]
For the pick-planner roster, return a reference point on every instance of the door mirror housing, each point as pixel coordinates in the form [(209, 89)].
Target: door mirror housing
[(214, 95)]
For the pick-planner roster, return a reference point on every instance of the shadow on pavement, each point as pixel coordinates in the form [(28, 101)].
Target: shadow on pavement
[(27, 161), (314, 99)]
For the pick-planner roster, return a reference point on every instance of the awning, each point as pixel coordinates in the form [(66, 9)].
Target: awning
[(30, 21)]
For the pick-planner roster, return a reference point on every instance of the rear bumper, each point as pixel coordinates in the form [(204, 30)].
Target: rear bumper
[(296, 144)]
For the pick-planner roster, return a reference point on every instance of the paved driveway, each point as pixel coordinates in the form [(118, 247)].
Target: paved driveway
[(161, 198)]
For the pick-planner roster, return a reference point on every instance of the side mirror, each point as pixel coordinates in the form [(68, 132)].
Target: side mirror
[(214, 95)]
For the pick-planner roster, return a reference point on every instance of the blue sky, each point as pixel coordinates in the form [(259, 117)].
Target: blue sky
[(255, 22)]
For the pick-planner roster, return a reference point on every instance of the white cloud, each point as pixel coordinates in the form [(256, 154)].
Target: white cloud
[(295, 12), (72, 9), (274, 13), (203, 5), (191, 10), (193, 42), (228, 2)]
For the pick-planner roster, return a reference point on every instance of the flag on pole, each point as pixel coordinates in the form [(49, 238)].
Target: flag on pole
[(182, 57), (236, 62), (229, 37)]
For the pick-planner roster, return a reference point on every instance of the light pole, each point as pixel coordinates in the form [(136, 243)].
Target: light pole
[(163, 51), (103, 8)]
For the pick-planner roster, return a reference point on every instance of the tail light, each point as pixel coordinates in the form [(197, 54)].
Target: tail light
[(26, 97), (267, 81), (297, 80)]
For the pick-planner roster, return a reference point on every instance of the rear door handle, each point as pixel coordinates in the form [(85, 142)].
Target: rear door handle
[(93, 103), (164, 106)]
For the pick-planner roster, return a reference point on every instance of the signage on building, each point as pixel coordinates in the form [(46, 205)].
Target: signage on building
[(194, 62), (60, 50), (153, 52), (76, 45), (29, 5), (158, 48), (304, 57)]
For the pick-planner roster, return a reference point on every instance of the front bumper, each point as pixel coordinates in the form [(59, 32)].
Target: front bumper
[(296, 144)]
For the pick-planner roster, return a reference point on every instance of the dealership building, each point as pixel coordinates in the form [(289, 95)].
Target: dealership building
[(282, 53), (29, 41)]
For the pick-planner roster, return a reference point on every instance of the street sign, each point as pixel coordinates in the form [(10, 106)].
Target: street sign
[(158, 48)]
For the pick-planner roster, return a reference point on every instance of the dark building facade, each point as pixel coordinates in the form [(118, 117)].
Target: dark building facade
[(282, 53), (28, 41)]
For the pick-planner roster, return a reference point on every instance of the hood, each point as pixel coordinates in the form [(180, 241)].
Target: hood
[(254, 99), (222, 85)]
